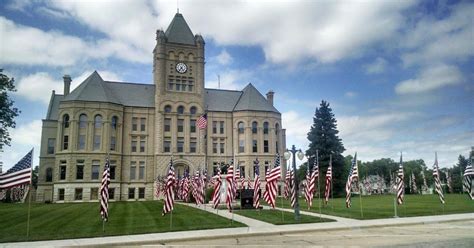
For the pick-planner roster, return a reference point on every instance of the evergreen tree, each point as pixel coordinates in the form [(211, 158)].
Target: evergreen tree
[(323, 138)]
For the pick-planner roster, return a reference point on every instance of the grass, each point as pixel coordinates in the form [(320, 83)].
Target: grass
[(275, 217), (381, 206), (78, 220)]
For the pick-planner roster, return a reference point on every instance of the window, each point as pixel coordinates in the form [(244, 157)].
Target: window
[(167, 124), (265, 146), (49, 174), (241, 127), (51, 143), (95, 169), (62, 171), (167, 109), (166, 146), (94, 193), (65, 142), (180, 110), (193, 109), (180, 125), (242, 171), (192, 125), (112, 169), (66, 121), (142, 124), (114, 122), (142, 145), (254, 146), (277, 129), (266, 166), (276, 147), (134, 123), (134, 144), (214, 127), (111, 193), (131, 193), (113, 142), (80, 170), (222, 146), (98, 121), (180, 145), (82, 121), (141, 170), (97, 142), (254, 127), (214, 168), (141, 193), (265, 127), (241, 146), (78, 194), (192, 146), (60, 194), (133, 170), (221, 127), (214, 147), (81, 145)]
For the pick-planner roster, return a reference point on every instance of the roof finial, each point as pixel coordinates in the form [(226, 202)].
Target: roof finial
[(177, 6)]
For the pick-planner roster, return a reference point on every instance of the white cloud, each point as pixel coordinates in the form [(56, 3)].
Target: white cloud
[(297, 127), (230, 80), (350, 94), (224, 58), (378, 66), (38, 86), (430, 79)]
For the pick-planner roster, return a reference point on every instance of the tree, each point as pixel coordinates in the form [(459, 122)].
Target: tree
[(7, 111), (323, 138)]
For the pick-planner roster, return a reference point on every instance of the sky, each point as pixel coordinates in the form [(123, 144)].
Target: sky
[(398, 74)]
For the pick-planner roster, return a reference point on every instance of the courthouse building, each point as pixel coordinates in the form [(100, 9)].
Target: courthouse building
[(141, 126)]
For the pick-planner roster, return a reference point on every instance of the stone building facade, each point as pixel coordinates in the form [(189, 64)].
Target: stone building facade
[(140, 126)]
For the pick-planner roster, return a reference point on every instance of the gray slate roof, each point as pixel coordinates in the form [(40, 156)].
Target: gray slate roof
[(95, 89), (179, 32)]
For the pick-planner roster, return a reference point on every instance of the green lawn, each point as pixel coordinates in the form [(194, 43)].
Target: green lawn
[(381, 206), (76, 220), (275, 216)]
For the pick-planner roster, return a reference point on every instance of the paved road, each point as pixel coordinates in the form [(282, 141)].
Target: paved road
[(451, 234)]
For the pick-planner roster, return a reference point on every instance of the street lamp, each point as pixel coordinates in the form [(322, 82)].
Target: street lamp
[(287, 156)]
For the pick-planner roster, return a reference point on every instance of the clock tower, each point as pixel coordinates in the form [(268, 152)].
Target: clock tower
[(178, 74)]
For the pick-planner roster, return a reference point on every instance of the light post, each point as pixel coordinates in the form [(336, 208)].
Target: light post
[(287, 156)]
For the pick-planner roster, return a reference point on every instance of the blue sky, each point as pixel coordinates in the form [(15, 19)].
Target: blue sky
[(398, 74)]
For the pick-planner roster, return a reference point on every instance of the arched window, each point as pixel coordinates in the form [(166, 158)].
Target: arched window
[(180, 110), (193, 110), (49, 174), (265, 127), (66, 121), (83, 121), (277, 129), (98, 121), (240, 126), (168, 109), (113, 123), (254, 127)]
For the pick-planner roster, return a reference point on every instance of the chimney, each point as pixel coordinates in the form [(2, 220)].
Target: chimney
[(270, 97), (67, 84)]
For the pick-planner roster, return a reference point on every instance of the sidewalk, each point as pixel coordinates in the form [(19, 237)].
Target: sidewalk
[(254, 229)]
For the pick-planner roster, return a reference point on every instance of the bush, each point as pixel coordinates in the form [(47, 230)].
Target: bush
[(209, 192)]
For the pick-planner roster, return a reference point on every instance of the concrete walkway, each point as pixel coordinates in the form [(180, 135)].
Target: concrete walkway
[(254, 230)]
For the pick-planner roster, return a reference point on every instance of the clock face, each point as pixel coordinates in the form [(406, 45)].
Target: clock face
[(181, 67)]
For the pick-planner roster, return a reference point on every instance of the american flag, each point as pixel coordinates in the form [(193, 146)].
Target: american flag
[(104, 191), (202, 121), (230, 186), (201, 187), (286, 191), (19, 174), (256, 185), (186, 186), (467, 180), (449, 181), (327, 189), (169, 189), (400, 182), (216, 195), (238, 179), (271, 179), (414, 188), (437, 181), (249, 183), (293, 189), (425, 185), (311, 183), (157, 188), (352, 178)]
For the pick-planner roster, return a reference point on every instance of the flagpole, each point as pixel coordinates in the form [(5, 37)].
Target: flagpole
[(360, 198), (29, 196), (332, 191)]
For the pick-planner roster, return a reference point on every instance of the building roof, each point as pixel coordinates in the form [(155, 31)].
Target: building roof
[(221, 100), (179, 32), (53, 108), (251, 99)]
